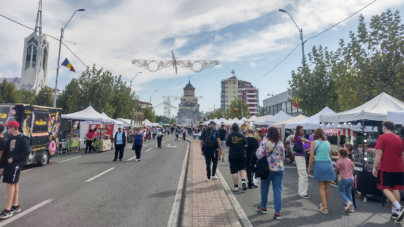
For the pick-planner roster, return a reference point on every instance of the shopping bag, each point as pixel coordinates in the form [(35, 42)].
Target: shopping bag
[(256, 181)]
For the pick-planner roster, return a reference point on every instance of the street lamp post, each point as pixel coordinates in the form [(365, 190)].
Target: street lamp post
[(152, 95), (60, 46), (300, 30), (133, 80), (234, 74)]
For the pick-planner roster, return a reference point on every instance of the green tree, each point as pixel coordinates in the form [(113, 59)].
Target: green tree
[(72, 98), (27, 97), (8, 93), (216, 114), (230, 113), (44, 97), (149, 114)]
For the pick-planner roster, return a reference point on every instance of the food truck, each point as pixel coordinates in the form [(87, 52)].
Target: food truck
[(40, 123)]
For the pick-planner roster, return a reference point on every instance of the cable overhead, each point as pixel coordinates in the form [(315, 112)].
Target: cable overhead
[(44, 35), (315, 37), (161, 6)]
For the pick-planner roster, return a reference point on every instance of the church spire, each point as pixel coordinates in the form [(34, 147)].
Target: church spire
[(38, 24)]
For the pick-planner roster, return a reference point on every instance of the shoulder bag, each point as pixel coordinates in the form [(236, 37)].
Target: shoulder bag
[(262, 168)]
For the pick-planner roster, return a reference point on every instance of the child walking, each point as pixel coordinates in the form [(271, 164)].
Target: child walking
[(345, 167)]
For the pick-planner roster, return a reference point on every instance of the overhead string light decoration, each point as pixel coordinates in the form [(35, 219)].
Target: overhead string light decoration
[(194, 65)]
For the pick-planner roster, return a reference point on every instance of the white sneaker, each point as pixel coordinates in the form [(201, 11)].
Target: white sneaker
[(207, 180), (294, 163), (235, 189), (215, 177)]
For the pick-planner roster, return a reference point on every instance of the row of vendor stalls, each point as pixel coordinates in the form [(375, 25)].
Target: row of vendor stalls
[(359, 126), (76, 126)]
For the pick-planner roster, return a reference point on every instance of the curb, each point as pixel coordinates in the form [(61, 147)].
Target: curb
[(187, 215)]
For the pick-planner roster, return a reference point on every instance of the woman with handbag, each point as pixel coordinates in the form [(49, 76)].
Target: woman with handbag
[(138, 144), (272, 150), (300, 160), (320, 164)]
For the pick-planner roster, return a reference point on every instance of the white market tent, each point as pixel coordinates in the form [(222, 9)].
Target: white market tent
[(258, 119), (396, 116), (374, 110), (282, 124), (115, 121), (88, 114), (126, 122), (312, 122), (279, 117), (147, 123)]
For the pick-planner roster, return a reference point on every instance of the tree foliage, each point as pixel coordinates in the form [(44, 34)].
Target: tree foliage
[(101, 90), (229, 113), (371, 62), (216, 114), (8, 93), (149, 114), (44, 97)]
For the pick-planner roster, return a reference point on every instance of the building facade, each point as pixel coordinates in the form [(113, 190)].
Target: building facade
[(233, 88), (280, 102), (144, 104), (189, 108)]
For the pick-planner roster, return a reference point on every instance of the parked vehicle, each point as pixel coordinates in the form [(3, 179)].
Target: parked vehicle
[(40, 123)]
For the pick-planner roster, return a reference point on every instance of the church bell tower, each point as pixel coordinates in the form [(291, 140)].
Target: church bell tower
[(34, 70)]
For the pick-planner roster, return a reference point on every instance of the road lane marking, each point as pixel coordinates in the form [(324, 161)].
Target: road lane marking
[(106, 171), (243, 217), (170, 146), (149, 149), (131, 158), (8, 221), (175, 211), (26, 170), (70, 159)]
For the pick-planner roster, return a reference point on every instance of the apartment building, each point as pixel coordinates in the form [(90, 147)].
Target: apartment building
[(233, 88), (280, 102)]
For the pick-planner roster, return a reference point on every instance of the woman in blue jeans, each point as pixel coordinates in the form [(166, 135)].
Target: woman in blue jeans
[(273, 150)]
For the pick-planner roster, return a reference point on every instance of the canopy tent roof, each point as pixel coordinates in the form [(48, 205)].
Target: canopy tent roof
[(258, 119), (126, 122), (147, 123), (279, 117), (396, 116), (283, 123), (115, 121), (312, 122), (88, 114), (374, 110)]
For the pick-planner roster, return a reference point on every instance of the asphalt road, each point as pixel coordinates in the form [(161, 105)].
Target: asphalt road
[(305, 212), (129, 194)]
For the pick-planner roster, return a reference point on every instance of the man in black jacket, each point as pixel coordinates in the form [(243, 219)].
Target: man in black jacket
[(251, 150), (210, 146), (13, 158), (120, 143)]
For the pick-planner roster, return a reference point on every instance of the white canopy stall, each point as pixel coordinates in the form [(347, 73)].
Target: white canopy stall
[(396, 116), (279, 117), (312, 122), (282, 124)]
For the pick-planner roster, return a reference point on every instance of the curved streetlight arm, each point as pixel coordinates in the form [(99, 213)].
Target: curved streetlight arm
[(72, 17), (135, 77), (284, 11)]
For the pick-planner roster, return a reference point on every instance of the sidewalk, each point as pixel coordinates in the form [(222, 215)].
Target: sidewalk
[(210, 205)]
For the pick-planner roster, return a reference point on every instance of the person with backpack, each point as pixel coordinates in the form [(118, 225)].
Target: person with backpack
[(237, 156), (210, 146)]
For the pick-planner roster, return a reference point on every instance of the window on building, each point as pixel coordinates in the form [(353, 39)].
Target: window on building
[(28, 60), (284, 107), (34, 53), (288, 107)]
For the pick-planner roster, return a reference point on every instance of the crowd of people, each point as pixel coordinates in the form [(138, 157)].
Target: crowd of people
[(255, 154)]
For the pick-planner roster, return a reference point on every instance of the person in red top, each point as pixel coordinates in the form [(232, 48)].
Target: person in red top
[(390, 175), (89, 140)]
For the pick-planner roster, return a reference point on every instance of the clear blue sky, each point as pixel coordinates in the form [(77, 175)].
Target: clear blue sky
[(248, 36)]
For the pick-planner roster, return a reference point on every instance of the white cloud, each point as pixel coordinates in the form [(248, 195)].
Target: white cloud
[(252, 64), (138, 26)]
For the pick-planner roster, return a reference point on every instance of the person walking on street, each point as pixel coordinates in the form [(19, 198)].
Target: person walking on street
[(300, 160), (89, 140), (320, 164), (210, 146), (14, 157), (177, 132), (3, 142), (138, 144), (289, 146), (273, 150), (154, 133), (120, 143), (237, 156), (159, 139), (223, 137), (251, 151), (345, 167), (390, 176), (184, 133)]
